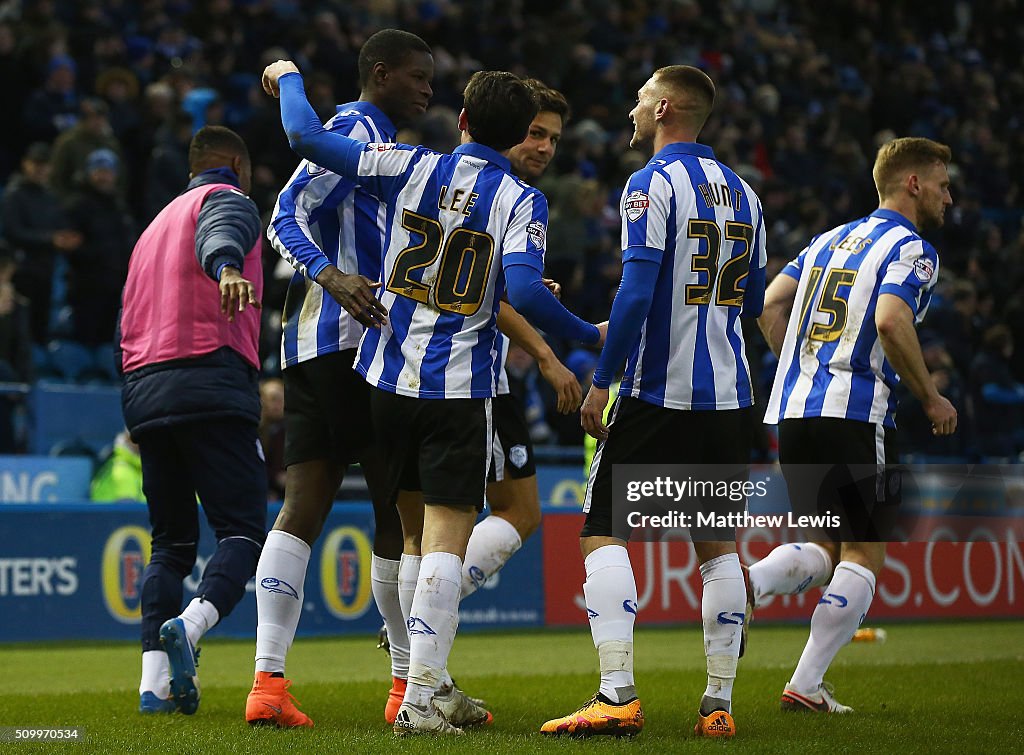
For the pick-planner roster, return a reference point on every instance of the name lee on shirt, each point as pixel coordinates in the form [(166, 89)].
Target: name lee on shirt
[(460, 201)]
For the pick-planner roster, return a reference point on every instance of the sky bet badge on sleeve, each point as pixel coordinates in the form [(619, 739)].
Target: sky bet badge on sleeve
[(635, 205)]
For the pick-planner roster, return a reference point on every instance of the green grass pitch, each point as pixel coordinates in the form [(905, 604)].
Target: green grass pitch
[(938, 687)]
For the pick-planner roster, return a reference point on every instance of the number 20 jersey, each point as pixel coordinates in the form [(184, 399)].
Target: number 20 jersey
[(453, 222), (832, 363)]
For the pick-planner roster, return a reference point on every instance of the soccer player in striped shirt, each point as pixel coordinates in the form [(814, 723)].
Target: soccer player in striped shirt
[(332, 233), (693, 263), (512, 494), (459, 227), (862, 287)]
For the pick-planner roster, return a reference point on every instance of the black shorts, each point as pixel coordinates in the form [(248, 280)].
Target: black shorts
[(512, 452), (845, 468), (642, 433), (326, 410), (438, 446)]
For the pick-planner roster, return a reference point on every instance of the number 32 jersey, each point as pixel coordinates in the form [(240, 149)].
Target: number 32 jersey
[(832, 363), (453, 223), (703, 225)]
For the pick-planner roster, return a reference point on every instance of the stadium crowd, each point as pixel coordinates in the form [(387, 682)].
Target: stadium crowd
[(105, 95)]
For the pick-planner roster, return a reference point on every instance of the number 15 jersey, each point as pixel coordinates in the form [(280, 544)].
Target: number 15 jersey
[(832, 363)]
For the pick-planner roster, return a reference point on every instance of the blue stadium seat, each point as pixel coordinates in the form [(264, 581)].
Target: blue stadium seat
[(102, 370), (104, 359), (42, 364), (63, 416), (70, 359)]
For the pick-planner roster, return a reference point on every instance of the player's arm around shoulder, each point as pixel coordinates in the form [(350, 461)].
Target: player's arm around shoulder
[(306, 135)]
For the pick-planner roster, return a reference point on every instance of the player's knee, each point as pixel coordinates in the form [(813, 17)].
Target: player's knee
[(527, 521), (179, 558), (869, 555), (301, 521)]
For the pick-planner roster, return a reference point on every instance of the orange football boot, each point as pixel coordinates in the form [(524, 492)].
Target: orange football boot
[(271, 704), (599, 717), (717, 723)]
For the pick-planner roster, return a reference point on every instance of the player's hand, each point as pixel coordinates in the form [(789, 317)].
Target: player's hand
[(354, 293), (602, 328), (554, 287), (592, 413), (275, 71), (235, 293), (942, 415), (566, 386)]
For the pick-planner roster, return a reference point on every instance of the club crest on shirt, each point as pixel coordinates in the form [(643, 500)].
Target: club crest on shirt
[(635, 205), (314, 170), (924, 269), (537, 233)]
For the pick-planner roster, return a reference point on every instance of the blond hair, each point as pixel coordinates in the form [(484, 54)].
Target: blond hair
[(902, 156)]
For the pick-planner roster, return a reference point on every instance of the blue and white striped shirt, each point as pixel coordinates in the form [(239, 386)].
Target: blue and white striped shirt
[(322, 219), (453, 222), (832, 363), (703, 224)]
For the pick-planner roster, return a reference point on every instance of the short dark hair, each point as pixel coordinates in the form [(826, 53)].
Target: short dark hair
[(499, 109), (694, 83), (388, 46), (214, 146), (549, 100)]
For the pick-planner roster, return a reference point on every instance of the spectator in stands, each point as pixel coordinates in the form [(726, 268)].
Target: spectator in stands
[(272, 435), (16, 91), (37, 228), (914, 429), (958, 324), (119, 478), (15, 348), (53, 109), (805, 96), (997, 398), (524, 384), (189, 342), (119, 88), (97, 269), (73, 148), (168, 162)]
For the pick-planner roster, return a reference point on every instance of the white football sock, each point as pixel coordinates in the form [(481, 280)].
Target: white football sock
[(156, 674), (838, 614), (790, 570), (280, 574), (384, 577), (610, 593), (492, 543), (199, 616), (408, 576), (432, 624), (722, 606)]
